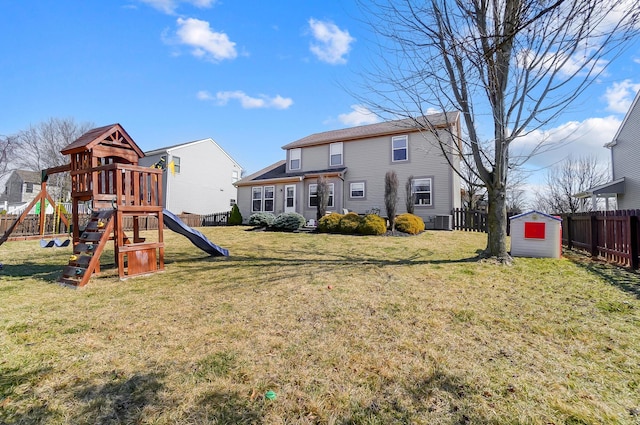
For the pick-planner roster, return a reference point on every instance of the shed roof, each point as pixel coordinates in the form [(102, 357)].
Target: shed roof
[(523, 215), (29, 176)]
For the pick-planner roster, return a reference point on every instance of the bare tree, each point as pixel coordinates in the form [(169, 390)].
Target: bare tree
[(38, 147), (7, 145), (408, 189), (568, 178), (509, 66), (391, 196), (323, 196)]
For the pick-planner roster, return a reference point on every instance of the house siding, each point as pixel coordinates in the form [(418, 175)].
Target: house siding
[(204, 184), (625, 156), (365, 159)]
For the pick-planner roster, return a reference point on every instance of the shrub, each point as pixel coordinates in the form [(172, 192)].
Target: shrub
[(409, 223), (373, 225), (289, 222), (350, 223), (235, 218), (330, 223), (262, 219)]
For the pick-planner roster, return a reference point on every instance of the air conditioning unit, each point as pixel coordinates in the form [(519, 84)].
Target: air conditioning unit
[(443, 222)]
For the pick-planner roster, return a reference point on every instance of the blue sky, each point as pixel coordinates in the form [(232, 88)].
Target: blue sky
[(252, 75)]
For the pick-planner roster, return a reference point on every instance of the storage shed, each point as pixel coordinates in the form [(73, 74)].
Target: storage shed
[(536, 234)]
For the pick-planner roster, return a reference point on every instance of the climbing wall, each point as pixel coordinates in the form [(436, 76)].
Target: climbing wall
[(86, 254)]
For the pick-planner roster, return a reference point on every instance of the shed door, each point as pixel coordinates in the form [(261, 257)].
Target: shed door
[(290, 198)]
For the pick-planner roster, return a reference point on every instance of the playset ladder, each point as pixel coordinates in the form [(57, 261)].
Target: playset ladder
[(86, 254)]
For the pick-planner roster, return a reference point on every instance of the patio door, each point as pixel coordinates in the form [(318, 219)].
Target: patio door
[(290, 198)]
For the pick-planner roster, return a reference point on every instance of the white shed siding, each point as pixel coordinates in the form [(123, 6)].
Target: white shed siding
[(625, 157), (549, 247)]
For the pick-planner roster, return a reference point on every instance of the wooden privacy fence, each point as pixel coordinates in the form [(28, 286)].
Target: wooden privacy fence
[(610, 235), (30, 225), (474, 221)]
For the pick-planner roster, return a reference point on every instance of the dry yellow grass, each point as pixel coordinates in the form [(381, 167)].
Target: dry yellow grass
[(413, 330)]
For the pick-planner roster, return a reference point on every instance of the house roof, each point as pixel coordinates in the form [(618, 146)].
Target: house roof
[(168, 149), (441, 120), (605, 190), (624, 122), (515, 217), (113, 134), (278, 172), (28, 176)]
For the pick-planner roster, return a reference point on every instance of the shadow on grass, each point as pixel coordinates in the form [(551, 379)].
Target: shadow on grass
[(10, 380), (620, 277), (46, 272), (121, 401)]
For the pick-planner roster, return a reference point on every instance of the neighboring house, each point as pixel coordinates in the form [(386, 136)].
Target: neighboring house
[(198, 178), (21, 187), (625, 164), (354, 162)]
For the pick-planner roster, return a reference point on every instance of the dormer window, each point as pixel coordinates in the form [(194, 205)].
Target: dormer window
[(335, 154), (295, 159)]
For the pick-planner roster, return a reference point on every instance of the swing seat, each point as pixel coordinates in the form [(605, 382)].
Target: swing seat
[(47, 244), (60, 243)]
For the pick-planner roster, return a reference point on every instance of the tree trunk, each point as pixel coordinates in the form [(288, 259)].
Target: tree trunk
[(497, 225)]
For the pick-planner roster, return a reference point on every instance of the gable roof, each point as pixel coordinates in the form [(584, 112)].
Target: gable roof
[(624, 122), (187, 144), (113, 134), (519, 216), (441, 120), (28, 176)]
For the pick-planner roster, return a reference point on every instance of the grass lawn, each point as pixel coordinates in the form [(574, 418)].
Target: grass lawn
[(344, 330)]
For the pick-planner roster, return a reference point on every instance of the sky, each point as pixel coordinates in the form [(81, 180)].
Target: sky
[(251, 75)]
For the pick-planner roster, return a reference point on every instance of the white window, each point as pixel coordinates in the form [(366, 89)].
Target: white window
[(235, 176), (356, 190), (422, 192), (399, 148), (313, 195), (268, 198), (335, 154), (294, 159), (176, 164), (256, 199)]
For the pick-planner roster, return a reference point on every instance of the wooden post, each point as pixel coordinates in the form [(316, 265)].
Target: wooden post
[(569, 227), (633, 240), (594, 235)]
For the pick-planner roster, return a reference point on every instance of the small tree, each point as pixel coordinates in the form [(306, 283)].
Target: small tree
[(236, 217), (322, 193), (7, 145), (391, 196), (408, 188)]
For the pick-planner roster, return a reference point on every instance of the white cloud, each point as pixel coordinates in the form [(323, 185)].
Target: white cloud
[(566, 65), (246, 101), (620, 96), (169, 6), (359, 116), (580, 138), (207, 44), (331, 43), (636, 60)]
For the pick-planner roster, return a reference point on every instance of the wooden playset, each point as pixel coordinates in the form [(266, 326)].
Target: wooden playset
[(105, 172)]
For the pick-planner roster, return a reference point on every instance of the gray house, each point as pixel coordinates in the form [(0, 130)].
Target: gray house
[(21, 187), (625, 164), (354, 162), (199, 176)]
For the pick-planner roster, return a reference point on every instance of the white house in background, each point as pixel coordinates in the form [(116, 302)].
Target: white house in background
[(354, 162), (625, 164), (21, 187), (199, 177)]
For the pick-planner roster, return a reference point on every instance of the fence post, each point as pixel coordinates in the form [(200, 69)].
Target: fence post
[(633, 242), (569, 231), (594, 235)]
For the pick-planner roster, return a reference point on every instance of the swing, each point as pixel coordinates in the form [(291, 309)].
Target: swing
[(44, 243)]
